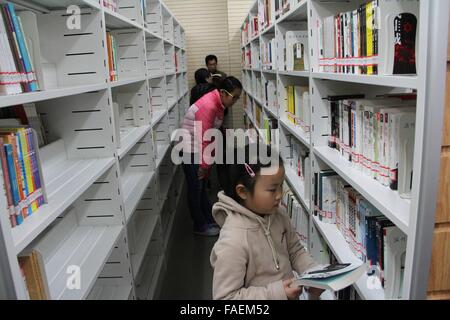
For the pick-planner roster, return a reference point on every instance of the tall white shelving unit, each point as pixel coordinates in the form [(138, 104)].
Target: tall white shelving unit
[(111, 186), (414, 217)]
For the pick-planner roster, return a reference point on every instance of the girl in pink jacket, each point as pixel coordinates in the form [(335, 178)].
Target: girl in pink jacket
[(208, 111)]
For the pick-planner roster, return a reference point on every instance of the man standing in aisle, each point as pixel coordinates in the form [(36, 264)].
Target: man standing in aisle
[(211, 64)]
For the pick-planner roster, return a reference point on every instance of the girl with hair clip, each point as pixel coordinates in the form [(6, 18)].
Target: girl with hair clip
[(258, 249)]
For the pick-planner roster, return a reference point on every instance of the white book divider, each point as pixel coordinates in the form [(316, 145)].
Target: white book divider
[(177, 58), (137, 168), (171, 89), (169, 58), (269, 88), (177, 34), (71, 57), (161, 138), (268, 51), (130, 53), (133, 103), (155, 56), (82, 122), (168, 27), (183, 39), (281, 30), (153, 17), (82, 238), (131, 9), (173, 120), (255, 55), (182, 109), (153, 267), (143, 225), (174, 196), (158, 93), (115, 282)]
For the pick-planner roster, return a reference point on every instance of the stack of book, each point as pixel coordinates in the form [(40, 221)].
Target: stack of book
[(376, 136), (21, 173), (270, 94), (298, 215), (298, 106), (269, 55), (372, 237), (112, 57), (350, 42), (17, 66)]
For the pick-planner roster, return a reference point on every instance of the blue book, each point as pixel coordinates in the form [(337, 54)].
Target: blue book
[(34, 164), (22, 174), (22, 46), (13, 180)]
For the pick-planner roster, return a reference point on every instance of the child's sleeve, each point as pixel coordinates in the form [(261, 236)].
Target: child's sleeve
[(300, 259), (206, 116), (229, 261)]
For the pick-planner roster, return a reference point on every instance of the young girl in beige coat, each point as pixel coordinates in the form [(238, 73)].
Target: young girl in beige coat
[(257, 249)]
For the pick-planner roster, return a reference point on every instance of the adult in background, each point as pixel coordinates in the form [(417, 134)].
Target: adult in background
[(211, 64)]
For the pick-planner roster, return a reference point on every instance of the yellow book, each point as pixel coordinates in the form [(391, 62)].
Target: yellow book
[(33, 268), (28, 168), (369, 41), (291, 103)]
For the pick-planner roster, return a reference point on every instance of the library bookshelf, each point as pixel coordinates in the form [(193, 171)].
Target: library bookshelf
[(111, 189), (266, 75)]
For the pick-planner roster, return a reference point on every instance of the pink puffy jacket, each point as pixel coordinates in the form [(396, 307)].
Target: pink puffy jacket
[(208, 110)]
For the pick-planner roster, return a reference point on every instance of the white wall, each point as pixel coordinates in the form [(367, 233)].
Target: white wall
[(213, 27)]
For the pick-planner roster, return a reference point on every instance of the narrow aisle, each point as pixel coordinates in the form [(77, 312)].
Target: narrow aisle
[(189, 272)]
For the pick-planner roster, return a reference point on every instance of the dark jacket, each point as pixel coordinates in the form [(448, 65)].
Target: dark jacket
[(200, 90)]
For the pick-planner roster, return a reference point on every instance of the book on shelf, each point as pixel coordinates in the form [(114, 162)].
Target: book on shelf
[(376, 136), (291, 206), (32, 266), (270, 94), (332, 277), (18, 62), (366, 231), (377, 37), (112, 56), (297, 109), (21, 172), (297, 58), (269, 55)]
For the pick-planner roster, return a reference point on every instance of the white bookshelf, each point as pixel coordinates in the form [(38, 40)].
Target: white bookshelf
[(415, 216), (109, 138)]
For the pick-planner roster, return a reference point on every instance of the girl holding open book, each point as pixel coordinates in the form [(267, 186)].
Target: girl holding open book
[(258, 249)]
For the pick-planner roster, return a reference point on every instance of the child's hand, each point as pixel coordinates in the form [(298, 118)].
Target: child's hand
[(291, 293), (314, 293)]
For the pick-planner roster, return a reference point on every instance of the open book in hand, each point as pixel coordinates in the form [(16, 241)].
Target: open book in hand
[(333, 277)]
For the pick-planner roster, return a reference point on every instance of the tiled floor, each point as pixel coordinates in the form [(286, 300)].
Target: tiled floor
[(189, 273)]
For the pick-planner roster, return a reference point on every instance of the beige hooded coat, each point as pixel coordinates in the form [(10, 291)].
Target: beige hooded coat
[(254, 254)]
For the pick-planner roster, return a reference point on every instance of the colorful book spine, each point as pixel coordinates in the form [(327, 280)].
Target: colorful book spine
[(7, 185), (31, 76), (13, 181)]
